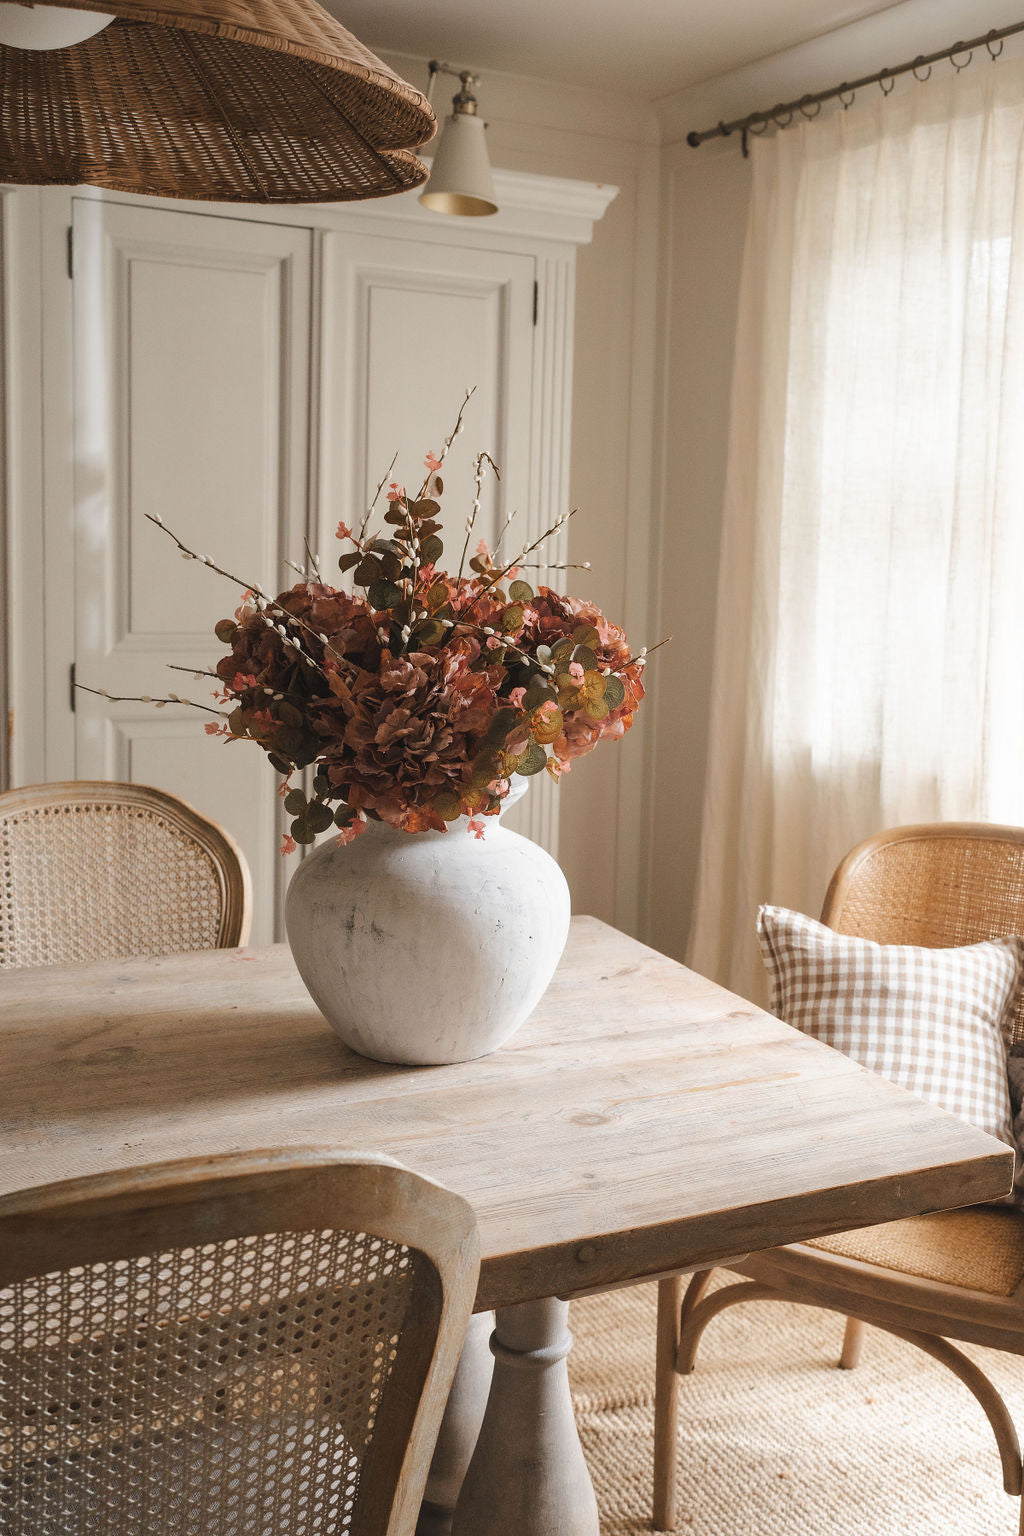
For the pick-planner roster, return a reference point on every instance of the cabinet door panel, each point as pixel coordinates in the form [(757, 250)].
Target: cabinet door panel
[(191, 404), (407, 328)]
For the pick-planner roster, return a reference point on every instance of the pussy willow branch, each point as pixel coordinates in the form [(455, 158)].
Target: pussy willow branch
[(369, 511), (260, 596), (478, 481), (134, 698), (504, 529), (556, 527)]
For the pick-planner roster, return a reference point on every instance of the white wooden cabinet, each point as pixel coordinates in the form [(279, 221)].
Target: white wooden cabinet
[(248, 379)]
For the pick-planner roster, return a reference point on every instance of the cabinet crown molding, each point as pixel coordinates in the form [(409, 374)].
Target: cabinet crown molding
[(542, 207)]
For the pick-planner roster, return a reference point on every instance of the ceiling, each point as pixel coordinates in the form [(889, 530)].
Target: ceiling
[(649, 48)]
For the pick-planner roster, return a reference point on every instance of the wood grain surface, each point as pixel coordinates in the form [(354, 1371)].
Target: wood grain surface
[(642, 1120)]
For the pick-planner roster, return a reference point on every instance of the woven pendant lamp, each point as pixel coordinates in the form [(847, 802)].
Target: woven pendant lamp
[(255, 101)]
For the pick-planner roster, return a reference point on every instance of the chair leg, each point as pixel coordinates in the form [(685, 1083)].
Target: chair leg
[(704, 1308), (666, 1403), (853, 1344), (977, 1382)]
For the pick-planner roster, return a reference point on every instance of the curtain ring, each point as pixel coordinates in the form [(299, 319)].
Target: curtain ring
[(916, 66), (779, 118), (804, 106), (952, 59), (846, 96), (724, 131), (886, 90), (994, 52), (757, 125)]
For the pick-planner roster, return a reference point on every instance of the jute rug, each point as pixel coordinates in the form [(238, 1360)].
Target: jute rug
[(776, 1441)]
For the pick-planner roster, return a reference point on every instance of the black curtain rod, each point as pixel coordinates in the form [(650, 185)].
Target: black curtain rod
[(783, 114)]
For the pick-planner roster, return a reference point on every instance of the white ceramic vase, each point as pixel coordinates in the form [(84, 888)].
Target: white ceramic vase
[(427, 947)]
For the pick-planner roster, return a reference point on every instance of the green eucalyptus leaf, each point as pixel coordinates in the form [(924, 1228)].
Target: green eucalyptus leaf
[(431, 549), (614, 691), (319, 816), (321, 786), (295, 802), (532, 760), (501, 723), (226, 631), (538, 692), (586, 634), (486, 766), (368, 570), (520, 592), (586, 658), (512, 619), (280, 763), (346, 562), (302, 832), (430, 632), (447, 805), (383, 595)]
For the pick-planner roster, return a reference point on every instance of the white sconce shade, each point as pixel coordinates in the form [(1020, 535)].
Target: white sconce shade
[(47, 26), (460, 176)]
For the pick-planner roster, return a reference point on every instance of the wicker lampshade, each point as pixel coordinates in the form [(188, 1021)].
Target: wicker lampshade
[(256, 101)]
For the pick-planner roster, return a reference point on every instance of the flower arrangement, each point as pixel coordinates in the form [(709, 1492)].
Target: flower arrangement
[(420, 694)]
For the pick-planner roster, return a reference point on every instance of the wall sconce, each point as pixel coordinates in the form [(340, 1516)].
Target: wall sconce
[(460, 176)]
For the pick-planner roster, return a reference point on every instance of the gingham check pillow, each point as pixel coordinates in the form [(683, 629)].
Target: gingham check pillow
[(934, 1021)]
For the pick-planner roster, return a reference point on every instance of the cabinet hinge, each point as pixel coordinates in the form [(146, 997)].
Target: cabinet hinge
[(71, 686), (536, 300), (71, 252)]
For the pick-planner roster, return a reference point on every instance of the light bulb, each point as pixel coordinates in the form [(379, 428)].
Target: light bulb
[(47, 26)]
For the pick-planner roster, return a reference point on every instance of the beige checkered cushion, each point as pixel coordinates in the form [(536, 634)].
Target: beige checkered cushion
[(934, 1021)]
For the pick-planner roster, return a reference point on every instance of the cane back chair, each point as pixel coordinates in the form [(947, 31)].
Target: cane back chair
[(255, 1344), (928, 1279), (91, 870)]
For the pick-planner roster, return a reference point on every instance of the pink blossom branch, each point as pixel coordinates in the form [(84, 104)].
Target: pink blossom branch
[(453, 434)]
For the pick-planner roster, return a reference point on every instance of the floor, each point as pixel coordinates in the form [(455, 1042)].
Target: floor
[(776, 1441)]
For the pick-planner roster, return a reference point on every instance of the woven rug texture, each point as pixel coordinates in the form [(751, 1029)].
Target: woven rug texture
[(775, 1441)]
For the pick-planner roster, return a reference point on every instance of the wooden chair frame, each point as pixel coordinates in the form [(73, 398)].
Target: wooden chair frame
[(193, 1202), (227, 858), (863, 900)]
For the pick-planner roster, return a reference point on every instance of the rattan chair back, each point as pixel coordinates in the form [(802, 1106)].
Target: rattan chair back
[(936, 885), (255, 1345), (91, 870)]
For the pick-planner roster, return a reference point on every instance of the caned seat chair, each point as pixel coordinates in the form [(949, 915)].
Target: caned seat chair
[(255, 1344), (91, 870), (927, 1279)]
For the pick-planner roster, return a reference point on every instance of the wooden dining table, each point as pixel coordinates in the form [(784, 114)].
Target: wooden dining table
[(643, 1121)]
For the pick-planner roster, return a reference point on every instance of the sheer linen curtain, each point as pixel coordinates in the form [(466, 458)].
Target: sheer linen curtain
[(869, 650)]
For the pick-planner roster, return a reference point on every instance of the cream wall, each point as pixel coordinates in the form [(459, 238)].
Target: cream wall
[(587, 135), (705, 193)]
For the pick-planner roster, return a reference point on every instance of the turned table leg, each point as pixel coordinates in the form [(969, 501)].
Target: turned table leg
[(528, 1475), (460, 1426)]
